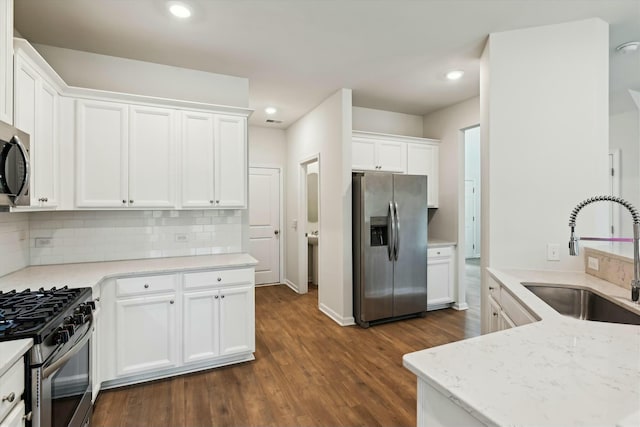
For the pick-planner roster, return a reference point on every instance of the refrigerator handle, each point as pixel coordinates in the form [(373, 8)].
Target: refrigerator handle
[(396, 243), (391, 219)]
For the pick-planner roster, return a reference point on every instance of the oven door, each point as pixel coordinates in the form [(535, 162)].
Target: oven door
[(63, 396)]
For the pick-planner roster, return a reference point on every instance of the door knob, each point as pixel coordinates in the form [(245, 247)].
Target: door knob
[(276, 232)]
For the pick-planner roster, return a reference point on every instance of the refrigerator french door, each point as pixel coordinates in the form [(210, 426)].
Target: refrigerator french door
[(389, 246)]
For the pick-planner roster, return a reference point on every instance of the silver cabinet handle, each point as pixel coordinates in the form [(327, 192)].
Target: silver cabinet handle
[(124, 202), (9, 397), (211, 201), (146, 286), (171, 302), (27, 417), (221, 296), (131, 201), (219, 279)]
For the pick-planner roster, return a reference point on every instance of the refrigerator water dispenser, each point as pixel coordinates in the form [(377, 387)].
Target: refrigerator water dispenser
[(379, 231)]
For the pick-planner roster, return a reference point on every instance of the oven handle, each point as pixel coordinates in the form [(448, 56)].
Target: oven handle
[(51, 369)]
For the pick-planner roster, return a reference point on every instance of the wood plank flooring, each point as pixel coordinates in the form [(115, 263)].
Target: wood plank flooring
[(308, 372)]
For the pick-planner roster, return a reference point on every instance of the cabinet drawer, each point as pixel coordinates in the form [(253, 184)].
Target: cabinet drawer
[(145, 285), (494, 290), (215, 278), (514, 310), (439, 252), (11, 388)]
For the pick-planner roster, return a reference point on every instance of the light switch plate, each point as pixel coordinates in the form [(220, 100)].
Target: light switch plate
[(593, 263), (43, 242), (553, 252)]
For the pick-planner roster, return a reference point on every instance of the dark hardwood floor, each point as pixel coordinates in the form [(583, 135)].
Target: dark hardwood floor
[(308, 372)]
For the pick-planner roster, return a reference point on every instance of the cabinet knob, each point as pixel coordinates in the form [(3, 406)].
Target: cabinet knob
[(171, 302), (211, 201), (216, 297), (219, 279), (46, 199), (131, 201), (124, 202), (146, 286), (9, 397), (495, 314), (491, 288), (221, 296), (217, 202)]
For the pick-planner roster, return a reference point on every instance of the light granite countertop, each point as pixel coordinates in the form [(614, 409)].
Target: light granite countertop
[(558, 371), (439, 243), (92, 273), (11, 351)]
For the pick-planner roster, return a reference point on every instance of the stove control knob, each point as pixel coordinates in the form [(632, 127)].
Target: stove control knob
[(91, 304), (62, 336), (79, 319), (84, 309), (70, 328)]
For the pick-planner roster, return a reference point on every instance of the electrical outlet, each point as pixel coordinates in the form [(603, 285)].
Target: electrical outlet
[(44, 242), (593, 263), (182, 237), (553, 252), (294, 224)]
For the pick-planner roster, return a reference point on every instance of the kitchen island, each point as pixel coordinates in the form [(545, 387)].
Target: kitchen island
[(557, 371)]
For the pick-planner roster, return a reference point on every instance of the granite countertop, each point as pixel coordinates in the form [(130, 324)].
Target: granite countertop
[(558, 371), (11, 351), (439, 243), (92, 273)]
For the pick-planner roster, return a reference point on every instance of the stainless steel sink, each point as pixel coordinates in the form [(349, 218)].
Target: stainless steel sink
[(582, 303)]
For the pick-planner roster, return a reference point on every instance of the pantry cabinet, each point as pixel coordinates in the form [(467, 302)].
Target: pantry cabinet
[(36, 112), (6, 61), (399, 154)]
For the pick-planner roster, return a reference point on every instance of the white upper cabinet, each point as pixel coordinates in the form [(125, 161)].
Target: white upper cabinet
[(102, 139), (152, 157), (37, 113), (126, 156), (214, 160), (197, 160), (6, 61), (370, 153), (422, 159), (230, 161), (399, 154)]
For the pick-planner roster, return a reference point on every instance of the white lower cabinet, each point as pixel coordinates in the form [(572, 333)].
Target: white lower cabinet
[(162, 325), (12, 386), (503, 310), (440, 277), (16, 417)]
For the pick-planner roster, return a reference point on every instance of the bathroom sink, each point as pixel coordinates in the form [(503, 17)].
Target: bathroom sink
[(582, 303)]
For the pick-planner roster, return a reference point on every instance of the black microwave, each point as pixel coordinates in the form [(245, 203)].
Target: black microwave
[(15, 170)]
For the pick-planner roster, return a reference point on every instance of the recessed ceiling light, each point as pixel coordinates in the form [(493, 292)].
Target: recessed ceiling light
[(455, 74), (628, 47), (271, 110), (179, 10)]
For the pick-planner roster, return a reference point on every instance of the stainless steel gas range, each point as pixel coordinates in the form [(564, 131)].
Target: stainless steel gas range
[(58, 374)]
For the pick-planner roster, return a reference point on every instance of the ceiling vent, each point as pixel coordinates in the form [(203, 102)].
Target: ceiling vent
[(273, 121)]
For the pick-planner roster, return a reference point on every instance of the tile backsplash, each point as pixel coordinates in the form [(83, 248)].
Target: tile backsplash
[(14, 242), (85, 236)]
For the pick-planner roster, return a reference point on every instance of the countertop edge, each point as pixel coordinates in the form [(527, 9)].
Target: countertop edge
[(12, 351)]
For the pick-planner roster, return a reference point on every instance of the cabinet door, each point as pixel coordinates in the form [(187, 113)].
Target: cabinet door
[(422, 159), (392, 156), (230, 161), (495, 320), (439, 281), (201, 311), (145, 334), (44, 148), (15, 417), (363, 154), (101, 155), (6, 61), (26, 93), (197, 160), (237, 317), (152, 157)]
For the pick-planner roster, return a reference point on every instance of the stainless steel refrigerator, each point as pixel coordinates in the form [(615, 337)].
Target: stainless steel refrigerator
[(389, 246)]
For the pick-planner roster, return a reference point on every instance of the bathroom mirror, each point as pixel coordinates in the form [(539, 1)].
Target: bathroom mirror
[(312, 197)]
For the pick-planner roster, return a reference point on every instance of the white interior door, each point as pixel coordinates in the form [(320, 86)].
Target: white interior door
[(469, 219), (264, 223)]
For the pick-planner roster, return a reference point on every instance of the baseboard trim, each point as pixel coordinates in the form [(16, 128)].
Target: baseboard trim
[(342, 321), (292, 285), (264, 285), (461, 306)]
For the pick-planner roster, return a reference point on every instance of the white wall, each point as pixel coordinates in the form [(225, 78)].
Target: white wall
[(90, 70), (371, 120), (14, 242), (544, 96), (624, 134), (472, 173), (267, 147), (324, 131)]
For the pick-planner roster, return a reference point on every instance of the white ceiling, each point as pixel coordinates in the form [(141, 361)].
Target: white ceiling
[(392, 53)]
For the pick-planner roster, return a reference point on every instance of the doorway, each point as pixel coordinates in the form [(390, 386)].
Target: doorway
[(309, 230), (265, 224), (472, 210)]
